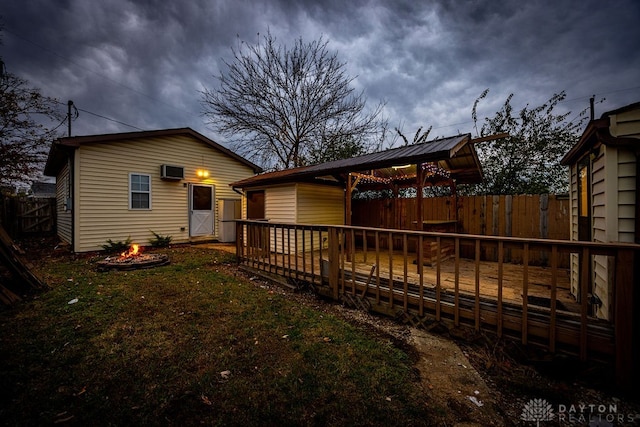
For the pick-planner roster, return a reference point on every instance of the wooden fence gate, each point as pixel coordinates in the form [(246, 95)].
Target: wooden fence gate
[(22, 215)]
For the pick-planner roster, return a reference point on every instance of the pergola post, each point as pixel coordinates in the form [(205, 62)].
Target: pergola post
[(419, 196), (347, 213)]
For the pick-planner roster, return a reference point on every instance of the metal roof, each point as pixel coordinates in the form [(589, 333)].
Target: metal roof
[(455, 154)]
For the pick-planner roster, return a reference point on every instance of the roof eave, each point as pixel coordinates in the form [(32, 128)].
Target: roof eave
[(76, 141)]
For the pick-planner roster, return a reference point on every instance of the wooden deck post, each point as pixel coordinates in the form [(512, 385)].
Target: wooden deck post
[(626, 316), (239, 241), (334, 261), (419, 197)]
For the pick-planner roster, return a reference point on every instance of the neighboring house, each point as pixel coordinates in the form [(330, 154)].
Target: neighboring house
[(173, 182), (44, 190), (605, 178)]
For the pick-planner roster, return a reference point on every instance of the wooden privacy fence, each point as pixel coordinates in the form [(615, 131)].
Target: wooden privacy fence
[(24, 215), (525, 302), (539, 216)]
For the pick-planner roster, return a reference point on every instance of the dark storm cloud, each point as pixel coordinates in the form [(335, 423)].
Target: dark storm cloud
[(144, 62)]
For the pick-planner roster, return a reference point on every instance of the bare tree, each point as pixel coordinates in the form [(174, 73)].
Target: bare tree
[(24, 134), (290, 107)]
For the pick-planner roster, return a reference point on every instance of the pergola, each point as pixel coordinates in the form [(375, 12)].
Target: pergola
[(440, 162)]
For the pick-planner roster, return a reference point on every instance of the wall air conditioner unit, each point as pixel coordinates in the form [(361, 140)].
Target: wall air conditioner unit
[(171, 173)]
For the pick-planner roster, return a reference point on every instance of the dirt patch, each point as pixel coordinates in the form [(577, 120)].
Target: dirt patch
[(454, 385)]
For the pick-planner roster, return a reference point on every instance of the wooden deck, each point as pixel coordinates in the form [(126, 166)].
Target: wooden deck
[(378, 270), (539, 284)]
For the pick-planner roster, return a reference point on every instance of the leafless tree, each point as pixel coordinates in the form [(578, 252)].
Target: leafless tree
[(24, 133), (290, 107)]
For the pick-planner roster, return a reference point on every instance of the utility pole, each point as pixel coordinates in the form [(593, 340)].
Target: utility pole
[(69, 105)]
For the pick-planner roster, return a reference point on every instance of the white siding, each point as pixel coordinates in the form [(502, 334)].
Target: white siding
[(599, 199), (102, 174), (573, 195), (280, 203), (625, 124), (614, 198), (309, 204), (280, 207), (605, 200), (318, 204), (627, 194)]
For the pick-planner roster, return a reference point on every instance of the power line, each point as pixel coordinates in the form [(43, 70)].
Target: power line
[(52, 52), (96, 115), (108, 118)]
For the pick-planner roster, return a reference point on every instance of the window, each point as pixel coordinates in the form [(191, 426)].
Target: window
[(139, 191)]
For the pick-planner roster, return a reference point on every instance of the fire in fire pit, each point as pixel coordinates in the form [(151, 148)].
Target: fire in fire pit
[(132, 259)]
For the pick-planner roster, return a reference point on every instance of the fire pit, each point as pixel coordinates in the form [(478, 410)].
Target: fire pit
[(133, 259)]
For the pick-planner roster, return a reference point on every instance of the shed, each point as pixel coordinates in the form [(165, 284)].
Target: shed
[(605, 178), (173, 182), (321, 194)]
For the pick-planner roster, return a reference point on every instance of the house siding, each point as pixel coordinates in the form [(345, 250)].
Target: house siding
[(605, 202), (613, 207), (573, 195), (318, 204), (103, 186), (626, 208), (280, 207), (64, 217), (299, 203), (625, 124)]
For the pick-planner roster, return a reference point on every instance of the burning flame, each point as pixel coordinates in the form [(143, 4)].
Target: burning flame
[(134, 250)]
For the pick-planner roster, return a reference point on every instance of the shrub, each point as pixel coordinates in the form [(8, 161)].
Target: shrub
[(118, 246), (159, 241)]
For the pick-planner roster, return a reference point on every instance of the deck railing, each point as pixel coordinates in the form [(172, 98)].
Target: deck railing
[(435, 284)]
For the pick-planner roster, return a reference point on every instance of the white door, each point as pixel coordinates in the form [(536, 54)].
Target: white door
[(228, 211), (200, 210)]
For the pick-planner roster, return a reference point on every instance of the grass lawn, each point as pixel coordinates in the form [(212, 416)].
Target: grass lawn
[(193, 343)]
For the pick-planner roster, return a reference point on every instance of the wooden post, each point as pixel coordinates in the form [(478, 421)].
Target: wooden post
[(419, 197), (239, 241), (334, 259), (500, 279), (347, 204), (626, 328), (585, 269), (544, 223), (477, 289), (554, 298), (508, 216), (637, 225)]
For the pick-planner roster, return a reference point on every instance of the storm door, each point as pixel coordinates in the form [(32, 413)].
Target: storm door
[(201, 213)]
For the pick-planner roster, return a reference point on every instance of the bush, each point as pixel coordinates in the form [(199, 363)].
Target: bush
[(118, 246), (159, 241)]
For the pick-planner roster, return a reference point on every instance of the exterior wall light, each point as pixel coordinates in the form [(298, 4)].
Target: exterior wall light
[(202, 173)]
